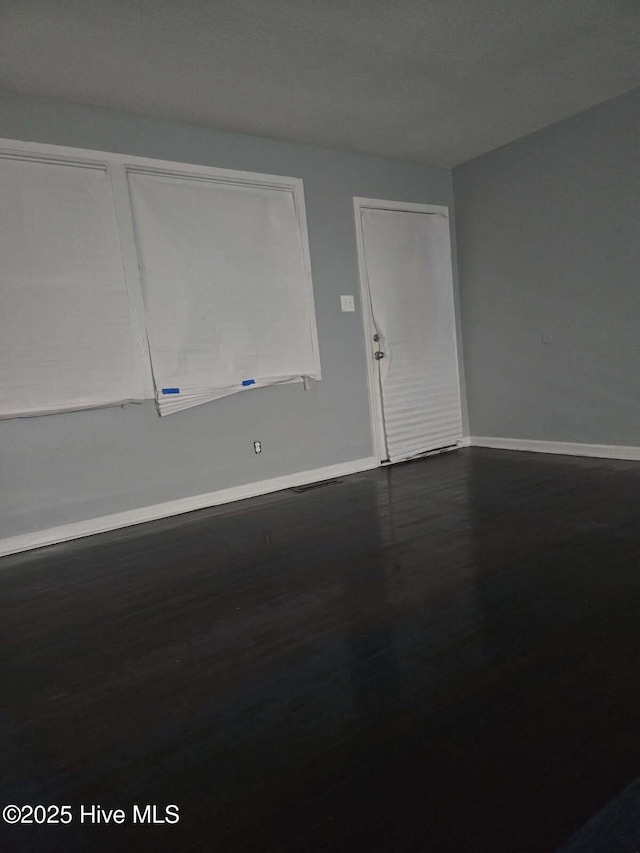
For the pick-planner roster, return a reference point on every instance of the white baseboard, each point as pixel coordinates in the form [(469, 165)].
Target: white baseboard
[(566, 448), (53, 535)]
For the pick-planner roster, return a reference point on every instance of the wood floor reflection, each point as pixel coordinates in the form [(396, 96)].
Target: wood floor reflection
[(441, 655)]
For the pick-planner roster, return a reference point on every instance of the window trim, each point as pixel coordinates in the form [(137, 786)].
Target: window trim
[(117, 165)]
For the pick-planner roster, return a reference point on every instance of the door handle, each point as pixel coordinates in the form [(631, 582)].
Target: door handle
[(378, 355)]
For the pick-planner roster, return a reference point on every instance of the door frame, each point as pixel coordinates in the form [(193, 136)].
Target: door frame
[(375, 397)]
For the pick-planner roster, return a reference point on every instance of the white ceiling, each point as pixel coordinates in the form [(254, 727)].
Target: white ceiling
[(433, 81)]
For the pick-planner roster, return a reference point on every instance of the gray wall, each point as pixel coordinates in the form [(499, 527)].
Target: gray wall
[(549, 243), (64, 468)]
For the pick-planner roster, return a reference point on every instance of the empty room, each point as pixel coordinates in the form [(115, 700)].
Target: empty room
[(320, 426)]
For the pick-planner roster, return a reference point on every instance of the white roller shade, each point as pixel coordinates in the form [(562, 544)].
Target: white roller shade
[(408, 266), (227, 292), (67, 338)]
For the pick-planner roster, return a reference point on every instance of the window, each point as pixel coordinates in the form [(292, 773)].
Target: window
[(228, 301), (222, 301), (67, 336)]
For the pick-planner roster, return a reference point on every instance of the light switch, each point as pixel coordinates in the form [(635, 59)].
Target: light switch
[(348, 303)]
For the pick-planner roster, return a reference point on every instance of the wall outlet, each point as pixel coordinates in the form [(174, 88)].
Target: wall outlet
[(347, 303), (257, 447)]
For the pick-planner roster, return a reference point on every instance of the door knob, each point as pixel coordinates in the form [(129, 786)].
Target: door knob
[(378, 355)]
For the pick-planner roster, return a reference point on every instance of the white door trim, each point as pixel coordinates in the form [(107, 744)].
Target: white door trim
[(375, 400)]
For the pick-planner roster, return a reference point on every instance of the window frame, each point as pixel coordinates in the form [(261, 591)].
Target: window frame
[(117, 165)]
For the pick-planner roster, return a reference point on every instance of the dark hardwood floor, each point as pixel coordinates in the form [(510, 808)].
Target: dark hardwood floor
[(442, 655)]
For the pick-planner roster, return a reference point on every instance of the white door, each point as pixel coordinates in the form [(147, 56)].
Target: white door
[(407, 288)]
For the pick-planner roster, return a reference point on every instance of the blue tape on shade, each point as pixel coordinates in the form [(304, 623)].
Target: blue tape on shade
[(170, 390), (248, 382)]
